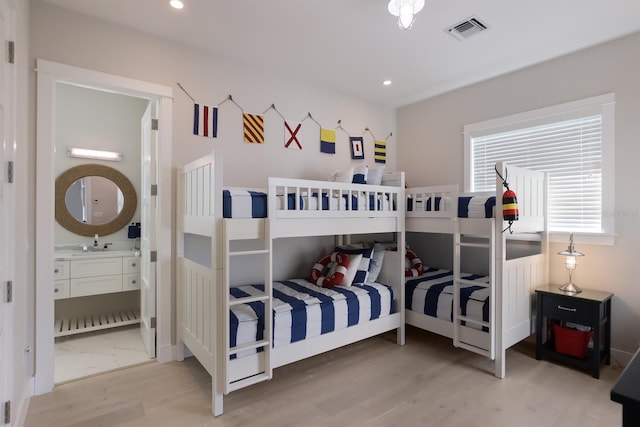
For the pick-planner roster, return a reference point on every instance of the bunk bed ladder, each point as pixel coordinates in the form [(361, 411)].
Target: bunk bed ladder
[(459, 320), (265, 345)]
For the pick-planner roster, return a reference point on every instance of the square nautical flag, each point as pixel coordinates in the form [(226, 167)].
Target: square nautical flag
[(380, 151), (328, 141), (253, 128), (357, 147), (291, 135), (205, 120)]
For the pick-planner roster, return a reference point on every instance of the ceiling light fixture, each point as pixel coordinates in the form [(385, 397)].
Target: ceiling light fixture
[(386, 82), (405, 10), (176, 4), (87, 153)]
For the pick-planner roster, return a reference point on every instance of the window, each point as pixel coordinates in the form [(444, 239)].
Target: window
[(572, 142)]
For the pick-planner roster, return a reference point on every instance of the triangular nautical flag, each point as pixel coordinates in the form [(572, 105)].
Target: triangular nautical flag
[(328, 141), (253, 128), (291, 135), (205, 120), (357, 147), (380, 151)]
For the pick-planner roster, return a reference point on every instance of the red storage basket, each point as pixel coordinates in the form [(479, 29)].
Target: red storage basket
[(571, 342)]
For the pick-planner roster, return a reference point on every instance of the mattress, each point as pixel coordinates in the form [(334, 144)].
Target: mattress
[(432, 294), (481, 206), (243, 204), (302, 310)]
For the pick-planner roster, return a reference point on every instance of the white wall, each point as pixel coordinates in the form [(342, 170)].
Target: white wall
[(431, 152), (89, 118)]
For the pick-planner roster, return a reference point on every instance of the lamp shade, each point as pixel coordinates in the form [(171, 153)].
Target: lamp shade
[(405, 11)]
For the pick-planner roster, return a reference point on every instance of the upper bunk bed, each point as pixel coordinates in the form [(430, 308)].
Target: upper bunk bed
[(223, 323), (492, 311)]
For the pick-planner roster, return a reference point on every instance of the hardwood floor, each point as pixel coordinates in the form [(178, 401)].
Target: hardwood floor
[(375, 382)]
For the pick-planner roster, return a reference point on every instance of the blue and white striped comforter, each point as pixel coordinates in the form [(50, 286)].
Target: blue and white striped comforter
[(432, 294), (302, 310)]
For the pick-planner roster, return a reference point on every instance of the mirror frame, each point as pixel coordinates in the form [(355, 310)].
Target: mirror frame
[(71, 175)]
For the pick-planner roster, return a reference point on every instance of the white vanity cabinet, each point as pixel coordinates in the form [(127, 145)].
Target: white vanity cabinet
[(61, 279), (81, 275), (130, 273)]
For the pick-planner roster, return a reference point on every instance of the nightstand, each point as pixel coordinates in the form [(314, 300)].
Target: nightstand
[(588, 308)]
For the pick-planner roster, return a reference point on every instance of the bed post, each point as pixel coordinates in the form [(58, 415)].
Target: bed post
[(402, 245), (500, 256)]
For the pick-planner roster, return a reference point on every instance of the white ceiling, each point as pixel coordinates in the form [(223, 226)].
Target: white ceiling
[(353, 45)]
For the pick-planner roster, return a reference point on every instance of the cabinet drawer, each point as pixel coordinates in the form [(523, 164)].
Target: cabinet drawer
[(60, 270), (61, 289), (95, 285), (567, 309), (130, 282), (96, 267), (131, 264)]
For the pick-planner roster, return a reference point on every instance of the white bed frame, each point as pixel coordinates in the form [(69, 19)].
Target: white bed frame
[(512, 282), (203, 291)]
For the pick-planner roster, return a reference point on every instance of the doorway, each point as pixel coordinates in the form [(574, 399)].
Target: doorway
[(50, 75), (96, 309)]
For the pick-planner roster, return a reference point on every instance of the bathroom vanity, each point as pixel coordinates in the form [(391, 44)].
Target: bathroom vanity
[(81, 274)]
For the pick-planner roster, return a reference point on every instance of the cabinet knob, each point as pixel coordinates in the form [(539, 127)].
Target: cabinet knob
[(133, 264), (56, 290), (133, 281), (56, 270)]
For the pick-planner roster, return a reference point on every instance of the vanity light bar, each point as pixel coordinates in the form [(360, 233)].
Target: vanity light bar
[(87, 153)]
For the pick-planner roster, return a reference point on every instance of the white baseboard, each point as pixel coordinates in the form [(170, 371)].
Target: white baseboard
[(619, 357), (22, 406), (166, 353)]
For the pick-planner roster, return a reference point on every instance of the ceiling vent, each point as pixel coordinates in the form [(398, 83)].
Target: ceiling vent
[(467, 28)]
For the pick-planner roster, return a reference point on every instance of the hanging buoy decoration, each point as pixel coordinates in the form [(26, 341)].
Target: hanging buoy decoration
[(509, 202), (509, 206)]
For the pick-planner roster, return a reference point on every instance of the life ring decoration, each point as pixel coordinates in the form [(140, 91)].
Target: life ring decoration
[(416, 267), (320, 268)]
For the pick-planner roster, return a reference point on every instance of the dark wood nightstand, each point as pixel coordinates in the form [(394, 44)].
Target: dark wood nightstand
[(588, 308)]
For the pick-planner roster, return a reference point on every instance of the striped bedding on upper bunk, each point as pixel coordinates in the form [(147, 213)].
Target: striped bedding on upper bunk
[(303, 310), (238, 203), (481, 206), (432, 294)]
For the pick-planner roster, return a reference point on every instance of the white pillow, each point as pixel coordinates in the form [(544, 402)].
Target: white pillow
[(354, 263), (342, 176), (375, 176), (375, 265)]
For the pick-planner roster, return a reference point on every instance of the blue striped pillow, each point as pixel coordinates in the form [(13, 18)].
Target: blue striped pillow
[(360, 174), (362, 273)]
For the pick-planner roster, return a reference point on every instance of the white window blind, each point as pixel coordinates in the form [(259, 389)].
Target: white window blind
[(569, 150)]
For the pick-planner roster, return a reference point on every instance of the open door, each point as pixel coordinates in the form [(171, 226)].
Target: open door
[(148, 242)]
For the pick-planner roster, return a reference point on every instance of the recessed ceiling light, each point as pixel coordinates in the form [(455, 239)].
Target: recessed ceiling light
[(176, 4), (386, 82)]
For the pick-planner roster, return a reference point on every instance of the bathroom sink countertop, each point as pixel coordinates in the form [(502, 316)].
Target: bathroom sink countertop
[(79, 254)]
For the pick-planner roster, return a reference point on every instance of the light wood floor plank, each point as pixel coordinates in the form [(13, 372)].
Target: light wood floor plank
[(375, 382)]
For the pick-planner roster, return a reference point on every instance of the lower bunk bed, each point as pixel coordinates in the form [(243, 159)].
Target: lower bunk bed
[(490, 312), (241, 332)]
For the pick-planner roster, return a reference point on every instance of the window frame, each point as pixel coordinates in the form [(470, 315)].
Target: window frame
[(602, 104)]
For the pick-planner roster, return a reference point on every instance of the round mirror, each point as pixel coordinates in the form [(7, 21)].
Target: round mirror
[(94, 199)]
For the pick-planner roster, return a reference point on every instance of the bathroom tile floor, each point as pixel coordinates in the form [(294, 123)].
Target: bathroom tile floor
[(83, 355)]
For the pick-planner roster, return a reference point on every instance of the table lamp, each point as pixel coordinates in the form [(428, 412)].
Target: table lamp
[(570, 255)]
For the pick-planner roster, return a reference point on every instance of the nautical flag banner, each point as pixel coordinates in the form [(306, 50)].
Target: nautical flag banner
[(253, 128), (380, 151), (328, 141), (291, 135), (205, 120), (357, 147)]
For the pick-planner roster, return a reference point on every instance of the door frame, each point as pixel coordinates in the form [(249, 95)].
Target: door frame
[(48, 75)]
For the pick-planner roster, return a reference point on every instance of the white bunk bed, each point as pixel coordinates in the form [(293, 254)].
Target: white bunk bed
[(204, 299), (511, 282)]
